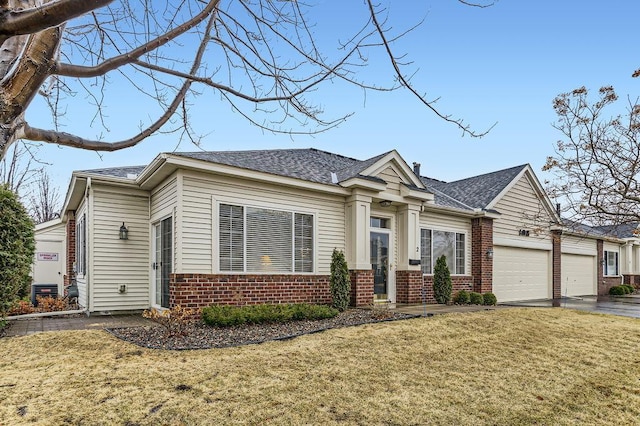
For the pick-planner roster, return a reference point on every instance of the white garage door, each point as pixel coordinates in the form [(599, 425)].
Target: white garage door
[(521, 274), (578, 275)]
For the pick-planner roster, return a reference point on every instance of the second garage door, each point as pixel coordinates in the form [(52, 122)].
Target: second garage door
[(521, 274), (578, 275)]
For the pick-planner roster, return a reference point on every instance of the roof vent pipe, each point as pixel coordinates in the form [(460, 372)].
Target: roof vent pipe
[(416, 168), (558, 208)]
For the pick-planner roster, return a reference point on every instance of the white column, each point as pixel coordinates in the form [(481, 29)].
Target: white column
[(629, 258), (408, 236), (357, 216)]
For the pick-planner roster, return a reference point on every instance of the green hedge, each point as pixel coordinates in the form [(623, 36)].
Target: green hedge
[(489, 299), (461, 297), (618, 290), (227, 316), (476, 298)]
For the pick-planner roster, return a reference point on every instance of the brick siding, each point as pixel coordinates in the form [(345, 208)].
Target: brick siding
[(633, 280), (361, 287), (481, 264), (556, 241), (71, 251)]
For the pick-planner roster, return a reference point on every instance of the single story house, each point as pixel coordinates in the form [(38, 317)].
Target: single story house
[(247, 227)]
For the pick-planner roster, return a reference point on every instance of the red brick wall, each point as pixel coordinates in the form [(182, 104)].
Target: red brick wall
[(607, 283), (462, 282), (604, 283), (71, 249), (361, 287), (200, 290), (633, 280), (481, 264), (556, 240), (409, 286)]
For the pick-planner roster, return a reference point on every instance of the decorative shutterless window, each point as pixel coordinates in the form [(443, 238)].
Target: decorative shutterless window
[(434, 244), (265, 240), (81, 245), (611, 263)]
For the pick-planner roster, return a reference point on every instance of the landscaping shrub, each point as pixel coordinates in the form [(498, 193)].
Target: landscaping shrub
[(17, 247), (489, 299), (51, 304), (461, 297), (340, 281), (21, 307), (630, 289), (617, 290), (442, 281), (226, 316), (175, 320), (476, 298)]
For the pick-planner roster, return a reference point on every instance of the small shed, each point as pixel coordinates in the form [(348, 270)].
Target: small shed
[(50, 257)]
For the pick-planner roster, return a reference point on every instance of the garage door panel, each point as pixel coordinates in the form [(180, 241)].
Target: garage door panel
[(578, 275), (521, 274)]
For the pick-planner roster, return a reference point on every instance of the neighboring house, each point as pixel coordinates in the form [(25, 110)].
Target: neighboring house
[(250, 227), (49, 265)]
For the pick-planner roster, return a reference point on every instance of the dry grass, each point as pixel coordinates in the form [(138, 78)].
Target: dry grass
[(511, 366)]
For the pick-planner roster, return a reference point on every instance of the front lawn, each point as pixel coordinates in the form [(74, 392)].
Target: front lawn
[(508, 366)]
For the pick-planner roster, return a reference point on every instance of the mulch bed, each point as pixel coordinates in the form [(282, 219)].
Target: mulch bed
[(201, 336)]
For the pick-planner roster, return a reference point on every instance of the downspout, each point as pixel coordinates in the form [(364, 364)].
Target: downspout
[(88, 242)]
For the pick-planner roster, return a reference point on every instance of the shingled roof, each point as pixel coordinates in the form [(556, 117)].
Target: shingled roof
[(477, 191), (309, 164), (119, 172)]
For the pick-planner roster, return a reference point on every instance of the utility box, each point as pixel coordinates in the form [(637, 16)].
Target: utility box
[(43, 290)]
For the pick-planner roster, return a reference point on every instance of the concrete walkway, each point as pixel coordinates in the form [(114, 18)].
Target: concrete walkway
[(23, 327), (430, 310), (627, 306)]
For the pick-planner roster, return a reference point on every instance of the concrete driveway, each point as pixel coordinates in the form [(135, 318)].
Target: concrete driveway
[(627, 306)]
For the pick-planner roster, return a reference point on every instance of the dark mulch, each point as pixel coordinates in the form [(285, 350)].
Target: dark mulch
[(201, 336)]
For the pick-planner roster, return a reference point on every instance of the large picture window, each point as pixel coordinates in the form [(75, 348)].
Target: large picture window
[(256, 239), (81, 245), (611, 263), (434, 244)]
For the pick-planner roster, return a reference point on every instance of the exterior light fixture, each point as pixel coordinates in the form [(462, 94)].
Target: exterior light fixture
[(385, 203), (124, 232), (490, 253)]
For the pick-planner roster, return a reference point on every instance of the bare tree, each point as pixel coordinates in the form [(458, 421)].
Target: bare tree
[(44, 201), (19, 168), (262, 57), (597, 163)]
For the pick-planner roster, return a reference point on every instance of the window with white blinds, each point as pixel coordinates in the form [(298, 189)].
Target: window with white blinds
[(265, 240)]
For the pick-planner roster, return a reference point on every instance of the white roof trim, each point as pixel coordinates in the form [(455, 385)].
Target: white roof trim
[(394, 158)]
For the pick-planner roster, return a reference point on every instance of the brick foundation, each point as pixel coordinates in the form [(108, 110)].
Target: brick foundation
[(361, 287), (200, 290), (481, 263), (458, 283), (604, 283), (633, 280), (409, 286)]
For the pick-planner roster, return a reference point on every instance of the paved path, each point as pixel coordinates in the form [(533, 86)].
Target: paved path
[(628, 306), (23, 327)]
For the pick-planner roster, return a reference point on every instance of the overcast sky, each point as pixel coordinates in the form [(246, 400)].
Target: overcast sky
[(503, 64)]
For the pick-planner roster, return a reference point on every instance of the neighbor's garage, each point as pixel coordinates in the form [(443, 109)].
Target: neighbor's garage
[(578, 275), (521, 274)]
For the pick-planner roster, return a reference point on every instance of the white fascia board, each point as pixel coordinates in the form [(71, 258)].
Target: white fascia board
[(223, 169), (418, 195), (74, 195), (457, 212), (357, 182), (49, 224)]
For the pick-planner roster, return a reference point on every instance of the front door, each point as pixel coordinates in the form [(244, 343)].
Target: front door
[(162, 261), (380, 264)]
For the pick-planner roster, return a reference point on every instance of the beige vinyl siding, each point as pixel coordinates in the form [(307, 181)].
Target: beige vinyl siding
[(521, 208), (120, 262), (443, 222), (579, 245), (54, 232), (164, 197), (202, 192), (393, 180), (81, 280)]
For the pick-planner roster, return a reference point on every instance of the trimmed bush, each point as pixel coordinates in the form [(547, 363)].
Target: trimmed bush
[(461, 297), (17, 248), (227, 316), (442, 281), (340, 281), (489, 299), (617, 290), (630, 289), (476, 298)]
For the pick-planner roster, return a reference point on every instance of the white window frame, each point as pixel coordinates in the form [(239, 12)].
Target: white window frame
[(616, 258), (81, 246), (455, 250), (293, 212)]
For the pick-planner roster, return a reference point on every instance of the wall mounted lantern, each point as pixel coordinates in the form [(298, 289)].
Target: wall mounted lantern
[(490, 253), (124, 232)]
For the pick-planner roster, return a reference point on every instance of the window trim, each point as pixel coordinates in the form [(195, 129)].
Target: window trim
[(616, 254), (81, 246), (455, 251), (267, 206)]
